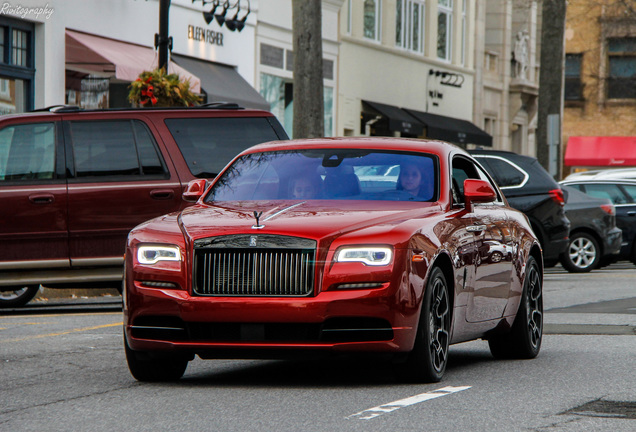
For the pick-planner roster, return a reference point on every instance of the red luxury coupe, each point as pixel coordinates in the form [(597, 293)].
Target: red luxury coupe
[(365, 245)]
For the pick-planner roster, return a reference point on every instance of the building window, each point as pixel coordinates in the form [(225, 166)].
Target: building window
[(19, 48), (444, 29), (621, 82), (2, 31), (409, 24), (279, 92), (349, 20), (573, 86), (17, 72), (372, 19), (463, 41)]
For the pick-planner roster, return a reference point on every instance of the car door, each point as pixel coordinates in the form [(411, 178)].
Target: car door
[(492, 250), (33, 228), (119, 179)]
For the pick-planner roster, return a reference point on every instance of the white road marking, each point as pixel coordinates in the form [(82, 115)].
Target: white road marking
[(374, 412)]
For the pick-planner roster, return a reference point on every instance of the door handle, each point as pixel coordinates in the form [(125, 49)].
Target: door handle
[(631, 213), (476, 228), (41, 198), (162, 194)]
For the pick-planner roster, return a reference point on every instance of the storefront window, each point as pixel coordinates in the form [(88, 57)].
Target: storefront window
[(280, 95), (12, 96)]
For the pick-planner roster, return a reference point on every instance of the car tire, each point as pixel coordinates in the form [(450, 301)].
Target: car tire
[(18, 296), (148, 367), (582, 255), (427, 361), (523, 341)]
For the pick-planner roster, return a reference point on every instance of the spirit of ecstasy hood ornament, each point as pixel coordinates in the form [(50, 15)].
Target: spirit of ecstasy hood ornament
[(257, 216)]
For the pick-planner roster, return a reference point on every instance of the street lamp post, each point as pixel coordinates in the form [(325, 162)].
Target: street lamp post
[(163, 41)]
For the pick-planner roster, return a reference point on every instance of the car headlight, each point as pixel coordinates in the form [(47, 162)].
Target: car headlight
[(373, 256), (150, 254)]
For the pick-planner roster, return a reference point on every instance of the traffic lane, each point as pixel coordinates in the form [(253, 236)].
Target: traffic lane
[(563, 289), (80, 388)]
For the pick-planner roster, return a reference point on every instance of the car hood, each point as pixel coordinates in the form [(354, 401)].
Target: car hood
[(310, 219)]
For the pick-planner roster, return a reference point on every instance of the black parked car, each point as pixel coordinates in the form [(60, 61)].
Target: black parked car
[(530, 188), (594, 238), (622, 193)]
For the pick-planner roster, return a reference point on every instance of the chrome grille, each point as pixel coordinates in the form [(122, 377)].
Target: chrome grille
[(228, 268)]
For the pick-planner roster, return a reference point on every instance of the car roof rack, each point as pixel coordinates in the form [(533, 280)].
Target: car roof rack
[(220, 105), (59, 109)]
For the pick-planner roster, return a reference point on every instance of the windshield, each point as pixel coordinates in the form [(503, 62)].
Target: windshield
[(346, 174)]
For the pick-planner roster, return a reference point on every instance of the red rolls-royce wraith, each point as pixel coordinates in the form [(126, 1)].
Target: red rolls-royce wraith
[(367, 245)]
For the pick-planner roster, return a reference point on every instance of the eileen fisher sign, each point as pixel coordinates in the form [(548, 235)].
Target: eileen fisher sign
[(203, 35)]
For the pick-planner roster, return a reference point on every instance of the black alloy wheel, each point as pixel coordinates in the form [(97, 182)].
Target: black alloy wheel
[(427, 362), (582, 255), (524, 339)]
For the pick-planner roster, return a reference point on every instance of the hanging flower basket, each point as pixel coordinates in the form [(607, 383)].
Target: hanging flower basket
[(157, 89)]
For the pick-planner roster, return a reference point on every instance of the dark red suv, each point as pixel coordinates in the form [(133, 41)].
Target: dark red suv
[(74, 182)]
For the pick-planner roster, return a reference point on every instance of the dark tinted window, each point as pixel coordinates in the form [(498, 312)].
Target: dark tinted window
[(208, 144), (631, 191), (27, 152), (114, 148), (504, 173), (608, 191)]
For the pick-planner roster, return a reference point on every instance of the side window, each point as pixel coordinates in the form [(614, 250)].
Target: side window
[(608, 191), (505, 173), (631, 192), (114, 148), (27, 152), (464, 169)]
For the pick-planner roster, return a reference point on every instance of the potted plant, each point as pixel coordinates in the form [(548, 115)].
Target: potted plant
[(157, 88)]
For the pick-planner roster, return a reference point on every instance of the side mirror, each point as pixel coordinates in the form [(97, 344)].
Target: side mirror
[(195, 190), (478, 191)]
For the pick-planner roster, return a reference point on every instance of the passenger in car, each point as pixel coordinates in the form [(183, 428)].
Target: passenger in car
[(412, 179), (306, 187)]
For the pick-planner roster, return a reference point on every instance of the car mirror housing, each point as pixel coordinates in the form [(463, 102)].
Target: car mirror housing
[(195, 190), (478, 191)]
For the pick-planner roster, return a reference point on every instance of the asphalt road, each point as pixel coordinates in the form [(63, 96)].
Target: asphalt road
[(63, 368)]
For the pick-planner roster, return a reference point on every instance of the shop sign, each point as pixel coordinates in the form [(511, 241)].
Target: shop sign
[(204, 35)]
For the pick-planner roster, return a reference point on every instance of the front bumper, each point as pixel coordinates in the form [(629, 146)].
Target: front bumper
[(374, 320)]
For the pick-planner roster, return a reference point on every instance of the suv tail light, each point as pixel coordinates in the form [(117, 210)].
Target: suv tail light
[(609, 209), (557, 195)]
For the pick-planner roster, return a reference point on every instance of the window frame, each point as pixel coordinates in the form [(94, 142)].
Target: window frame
[(447, 11), (140, 176), (377, 21), (572, 81), (615, 86), (404, 16)]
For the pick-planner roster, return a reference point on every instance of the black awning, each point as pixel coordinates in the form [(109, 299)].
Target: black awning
[(223, 83), (451, 129), (399, 120)]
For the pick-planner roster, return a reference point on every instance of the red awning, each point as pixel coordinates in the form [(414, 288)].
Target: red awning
[(125, 61), (600, 151)]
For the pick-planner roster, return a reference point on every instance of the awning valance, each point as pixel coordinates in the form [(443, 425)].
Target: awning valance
[(223, 83), (399, 120), (125, 61), (451, 129), (600, 151)]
